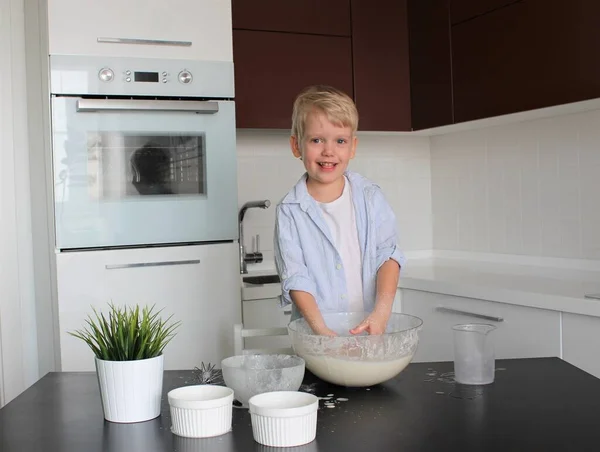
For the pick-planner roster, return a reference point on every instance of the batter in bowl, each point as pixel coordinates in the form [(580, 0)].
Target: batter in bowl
[(354, 373)]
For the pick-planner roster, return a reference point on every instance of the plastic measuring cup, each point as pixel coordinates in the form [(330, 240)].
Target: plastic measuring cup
[(474, 358)]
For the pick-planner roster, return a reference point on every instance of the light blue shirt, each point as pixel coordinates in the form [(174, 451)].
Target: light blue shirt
[(305, 254)]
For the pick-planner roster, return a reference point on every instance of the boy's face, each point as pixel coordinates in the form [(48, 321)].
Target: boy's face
[(326, 149)]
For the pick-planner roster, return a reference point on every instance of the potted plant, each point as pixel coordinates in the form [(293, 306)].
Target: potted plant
[(128, 346)]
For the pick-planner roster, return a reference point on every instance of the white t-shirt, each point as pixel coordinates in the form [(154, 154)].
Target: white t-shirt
[(339, 216)]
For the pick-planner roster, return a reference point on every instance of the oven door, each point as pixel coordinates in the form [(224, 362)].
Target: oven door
[(142, 172)]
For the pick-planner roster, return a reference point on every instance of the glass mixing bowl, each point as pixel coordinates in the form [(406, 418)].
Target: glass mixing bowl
[(249, 375), (356, 361)]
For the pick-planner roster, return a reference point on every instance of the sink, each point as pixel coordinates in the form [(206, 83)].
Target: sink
[(262, 279)]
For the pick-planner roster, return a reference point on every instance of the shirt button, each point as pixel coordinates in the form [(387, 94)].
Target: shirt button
[(338, 266)]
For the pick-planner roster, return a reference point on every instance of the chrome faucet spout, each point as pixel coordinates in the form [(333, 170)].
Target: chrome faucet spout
[(252, 204), (255, 255)]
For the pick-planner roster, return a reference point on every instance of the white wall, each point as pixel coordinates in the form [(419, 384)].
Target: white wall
[(530, 188), (24, 249), (40, 163), (397, 162), (18, 339)]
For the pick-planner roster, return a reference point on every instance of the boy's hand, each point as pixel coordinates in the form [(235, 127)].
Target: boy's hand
[(387, 283), (324, 331), (374, 324), (310, 311)]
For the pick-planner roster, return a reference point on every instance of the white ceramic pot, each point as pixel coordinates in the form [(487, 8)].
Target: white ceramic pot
[(201, 411), (130, 390), (284, 418)]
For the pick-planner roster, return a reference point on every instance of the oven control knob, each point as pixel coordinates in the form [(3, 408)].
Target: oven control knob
[(106, 75), (185, 77)]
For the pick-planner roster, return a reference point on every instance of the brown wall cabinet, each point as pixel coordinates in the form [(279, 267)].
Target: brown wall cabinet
[(281, 47), (493, 62), (272, 68), (324, 17), (463, 10), (430, 63), (531, 54), (415, 64), (380, 62)]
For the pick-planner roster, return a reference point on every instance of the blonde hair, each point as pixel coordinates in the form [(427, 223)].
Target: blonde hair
[(337, 106)]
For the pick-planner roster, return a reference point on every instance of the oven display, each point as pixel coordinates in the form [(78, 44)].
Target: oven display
[(145, 76)]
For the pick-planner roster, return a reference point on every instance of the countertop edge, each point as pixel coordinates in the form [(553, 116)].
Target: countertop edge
[(532, 299), (571, 305)]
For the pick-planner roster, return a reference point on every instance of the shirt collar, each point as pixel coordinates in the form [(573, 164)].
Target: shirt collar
[(299, 194)]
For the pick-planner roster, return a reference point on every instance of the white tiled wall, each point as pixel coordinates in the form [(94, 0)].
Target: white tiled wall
[(530, 188), (398, 163)]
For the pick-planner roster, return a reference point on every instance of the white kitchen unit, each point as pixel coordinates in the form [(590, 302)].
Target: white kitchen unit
[(178, 29), (199, 285), (581, 341), (522, 332), (266, 313)]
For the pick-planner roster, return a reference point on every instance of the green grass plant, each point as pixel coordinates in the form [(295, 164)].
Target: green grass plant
[(127, 333)]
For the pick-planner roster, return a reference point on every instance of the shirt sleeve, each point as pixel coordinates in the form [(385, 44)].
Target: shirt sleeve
[(387, 234), (289, 258)]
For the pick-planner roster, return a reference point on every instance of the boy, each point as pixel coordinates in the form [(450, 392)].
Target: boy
[(335, 234)]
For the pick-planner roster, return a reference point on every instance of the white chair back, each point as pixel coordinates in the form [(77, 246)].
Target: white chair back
[(240, 333)]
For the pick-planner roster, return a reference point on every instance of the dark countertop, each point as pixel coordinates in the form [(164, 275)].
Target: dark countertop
[(540, 404)]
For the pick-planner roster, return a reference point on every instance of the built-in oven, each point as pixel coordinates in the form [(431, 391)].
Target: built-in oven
[(143, 152)]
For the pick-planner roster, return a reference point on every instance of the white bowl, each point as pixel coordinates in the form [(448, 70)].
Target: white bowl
[(284, 418), (201, 411)]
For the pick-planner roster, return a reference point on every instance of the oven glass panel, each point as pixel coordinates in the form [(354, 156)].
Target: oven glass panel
[(126, 165), (143, 177)]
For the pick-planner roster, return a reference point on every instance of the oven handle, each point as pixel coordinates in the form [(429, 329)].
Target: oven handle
[(95, 105)]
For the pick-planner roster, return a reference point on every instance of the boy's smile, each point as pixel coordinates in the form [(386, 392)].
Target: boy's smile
[(327, 166), (326, 149)]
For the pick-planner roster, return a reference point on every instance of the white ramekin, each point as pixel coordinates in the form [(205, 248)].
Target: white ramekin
[(201, 411), (284, 418)]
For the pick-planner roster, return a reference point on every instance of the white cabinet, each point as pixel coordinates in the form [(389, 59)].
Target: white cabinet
[(199, 285), (266, 313), (75, 26), (581, 341), (523, 332)]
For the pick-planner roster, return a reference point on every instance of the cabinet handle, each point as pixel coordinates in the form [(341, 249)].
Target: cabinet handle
[(152, 42), (470, 314), (287, 312), (151, 264)]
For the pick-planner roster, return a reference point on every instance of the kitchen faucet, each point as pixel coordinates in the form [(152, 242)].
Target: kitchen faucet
[(255, 256)]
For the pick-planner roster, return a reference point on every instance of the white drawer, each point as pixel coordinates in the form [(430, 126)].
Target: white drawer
[(522, 332), (186, 281), (266, 313)]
